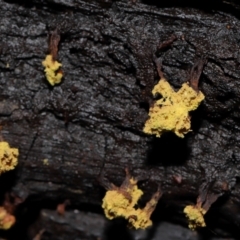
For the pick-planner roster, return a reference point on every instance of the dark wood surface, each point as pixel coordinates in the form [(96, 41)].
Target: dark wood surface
[(92, 122)]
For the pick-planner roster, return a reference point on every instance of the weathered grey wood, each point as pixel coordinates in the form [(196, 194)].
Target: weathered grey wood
[(81, 225)]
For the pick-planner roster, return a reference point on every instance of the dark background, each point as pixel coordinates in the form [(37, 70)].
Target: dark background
[(92, 122)]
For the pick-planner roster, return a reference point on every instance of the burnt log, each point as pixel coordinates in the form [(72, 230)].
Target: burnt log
[(90, 125)]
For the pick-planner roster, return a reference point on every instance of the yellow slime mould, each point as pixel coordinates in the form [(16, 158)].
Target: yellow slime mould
[(195, 216), (171, 112), (6, 219), (122, 202), (8, 157), (52, 70)]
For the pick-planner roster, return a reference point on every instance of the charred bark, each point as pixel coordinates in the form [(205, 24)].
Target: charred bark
[(91, 124)]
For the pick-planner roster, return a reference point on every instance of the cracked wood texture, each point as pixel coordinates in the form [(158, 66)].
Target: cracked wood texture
[(92, 122)]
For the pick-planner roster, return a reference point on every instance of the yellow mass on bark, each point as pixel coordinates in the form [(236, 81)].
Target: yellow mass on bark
[(171, 111)]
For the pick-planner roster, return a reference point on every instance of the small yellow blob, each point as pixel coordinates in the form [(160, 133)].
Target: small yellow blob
[(8, 157), (122, 202), (195, 216), (171, 112), (117, 202), (6, 219), (45, 162), (52, 70)]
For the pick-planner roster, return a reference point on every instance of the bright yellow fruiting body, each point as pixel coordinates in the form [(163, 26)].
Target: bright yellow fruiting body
[(52, 70), (122, 202), (171, 112), (8, 157), (117, 203), (6, 220), (195, 216)]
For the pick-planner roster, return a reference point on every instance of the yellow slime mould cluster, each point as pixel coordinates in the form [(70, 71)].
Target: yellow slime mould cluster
[(52, 70), (122, 202), (195, 216), (171, 112), (6, 220), (8, 157)]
